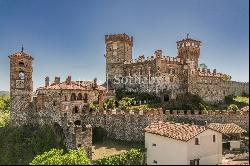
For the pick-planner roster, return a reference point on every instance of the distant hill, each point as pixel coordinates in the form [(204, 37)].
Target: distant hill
[(4, 93)]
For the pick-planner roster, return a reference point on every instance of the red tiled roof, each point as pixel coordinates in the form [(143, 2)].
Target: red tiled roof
[(182, 132), (228, 128)]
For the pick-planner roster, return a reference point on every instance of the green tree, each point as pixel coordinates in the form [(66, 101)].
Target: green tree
[(56, 157)]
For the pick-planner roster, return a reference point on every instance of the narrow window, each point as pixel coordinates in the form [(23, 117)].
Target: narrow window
[(197, 141), (73, 97), (21, 64), (213, 138), (85, 98), (75, 109)]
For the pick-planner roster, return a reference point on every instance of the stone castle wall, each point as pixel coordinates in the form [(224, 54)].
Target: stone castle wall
[(120, 125), (219, 116), (214, 90)]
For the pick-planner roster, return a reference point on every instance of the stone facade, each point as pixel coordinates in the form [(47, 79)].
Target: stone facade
[(174, 74), (56, 103), (239, 117), (67, 104)]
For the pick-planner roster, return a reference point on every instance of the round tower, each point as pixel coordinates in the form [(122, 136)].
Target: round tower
[(118, 50), (21, 85)]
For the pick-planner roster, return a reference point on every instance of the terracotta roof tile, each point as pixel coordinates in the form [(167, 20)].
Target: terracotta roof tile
[(228, 128), (182, 132)]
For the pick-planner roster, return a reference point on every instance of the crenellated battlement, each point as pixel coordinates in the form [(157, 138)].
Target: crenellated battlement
[(119, 37), (204, 112), (147, 112), (157, 55)]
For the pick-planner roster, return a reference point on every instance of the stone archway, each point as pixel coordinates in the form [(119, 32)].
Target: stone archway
[(99, 134)]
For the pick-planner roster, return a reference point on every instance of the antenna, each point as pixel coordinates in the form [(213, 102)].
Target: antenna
[(22, 48)]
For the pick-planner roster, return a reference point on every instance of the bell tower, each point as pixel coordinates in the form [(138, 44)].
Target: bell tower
[(118, 50), (21, 85)]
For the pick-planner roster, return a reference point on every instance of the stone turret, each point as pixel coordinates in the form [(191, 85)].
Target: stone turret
[(118, 51), (21, 86)]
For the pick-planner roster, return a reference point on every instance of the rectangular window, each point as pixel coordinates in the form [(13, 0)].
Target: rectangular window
[(213, 138), (197, 141), (153, 144)]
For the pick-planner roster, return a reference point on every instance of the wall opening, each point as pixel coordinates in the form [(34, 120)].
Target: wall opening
[(99, 134), (73, 97), (166, 98), (75, 110), (79, 96), (77, 123)]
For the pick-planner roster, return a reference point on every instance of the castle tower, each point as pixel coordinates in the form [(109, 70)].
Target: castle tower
[(189, 51), (118, 50), (21, 86)]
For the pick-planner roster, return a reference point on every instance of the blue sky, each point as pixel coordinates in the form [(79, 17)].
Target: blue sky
[(66, 37)]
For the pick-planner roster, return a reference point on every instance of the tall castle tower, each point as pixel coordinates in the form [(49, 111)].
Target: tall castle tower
[(118, 50), (189, 51), (21, 86)]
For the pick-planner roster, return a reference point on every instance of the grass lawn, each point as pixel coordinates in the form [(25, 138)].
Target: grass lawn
[(110, 148)]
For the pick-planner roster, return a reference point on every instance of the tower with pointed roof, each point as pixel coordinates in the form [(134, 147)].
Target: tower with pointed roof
[(21, 85)]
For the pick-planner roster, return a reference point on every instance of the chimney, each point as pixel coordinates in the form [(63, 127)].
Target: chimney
[(68, 80), (214, 71), (158, 53), (57, 80), (46, 81)]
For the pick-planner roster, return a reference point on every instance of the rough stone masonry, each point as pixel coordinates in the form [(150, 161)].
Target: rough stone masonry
[(67, 103)]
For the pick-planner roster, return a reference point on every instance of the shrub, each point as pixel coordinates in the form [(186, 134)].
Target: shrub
[(232, 107), (109, 104), (132, 157), (56, 157), (126, 102)]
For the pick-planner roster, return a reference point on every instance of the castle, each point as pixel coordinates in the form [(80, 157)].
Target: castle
[(163, 75), (66, 104)]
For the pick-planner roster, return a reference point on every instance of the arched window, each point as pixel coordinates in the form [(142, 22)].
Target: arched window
[(21, 75), (73, 97), (79, 96), (76, 109), (85, 97), (77, 123), (21, 64)]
